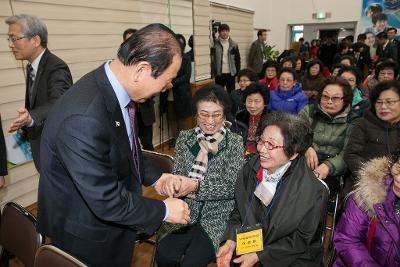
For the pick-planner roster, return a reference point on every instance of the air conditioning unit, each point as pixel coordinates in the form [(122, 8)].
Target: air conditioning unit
[(321, 15)]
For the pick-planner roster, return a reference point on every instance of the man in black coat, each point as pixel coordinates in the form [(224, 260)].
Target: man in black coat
[(48, 77), (385, 49), (90, 201)]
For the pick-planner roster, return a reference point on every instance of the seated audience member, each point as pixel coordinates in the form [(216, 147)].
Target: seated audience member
[(347, 60), (384, 71), (289, 96), (3, 157), (277, 193), (359, 102), (331, 120), (255, 98), (377, 134), (287, 62), (178, 100), (207, 161), (369, 229), (270, 70), (312, 79), (335, 69), (299, 68), (244, 77)]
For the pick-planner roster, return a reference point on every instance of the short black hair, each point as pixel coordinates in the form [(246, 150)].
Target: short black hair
[(296, 131), (350, 58), (212, 93), (287, 70), (287, 59), (381, 87), (249, 74), (362, 37), (387, 64), (392, 29), (129, 31), (382, 35), (190, 41), (256, 88), (337, 66), (223, 27), (269, 64), (182, 41), (260, 32), (312, 63), (378, 16), (353, 70), (155, 44), (346, 88)]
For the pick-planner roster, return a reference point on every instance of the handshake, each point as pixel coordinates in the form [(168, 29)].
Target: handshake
[(174, 186)]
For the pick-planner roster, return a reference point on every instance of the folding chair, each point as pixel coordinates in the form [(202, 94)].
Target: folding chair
[(324, 211), (162, 163), (49, 255), (18, 234)]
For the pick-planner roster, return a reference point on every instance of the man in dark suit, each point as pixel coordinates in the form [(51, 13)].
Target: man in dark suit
[(256, 56), (391, 33), (146, 114), (48, 77), (89, 201), (385, 49)]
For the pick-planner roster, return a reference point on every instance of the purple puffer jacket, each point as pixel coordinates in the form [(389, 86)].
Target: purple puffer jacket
[(373, 196), (290, 101)]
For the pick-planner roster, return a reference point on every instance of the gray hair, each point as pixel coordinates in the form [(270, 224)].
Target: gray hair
[(296, 131), (31, 26)]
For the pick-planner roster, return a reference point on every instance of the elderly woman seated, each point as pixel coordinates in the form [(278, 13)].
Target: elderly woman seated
[(369, 229), (278, 200), (255, 98), (208, 159), (331, 119)]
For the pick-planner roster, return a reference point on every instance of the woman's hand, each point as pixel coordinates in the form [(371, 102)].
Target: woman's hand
[(247, 260), (311, 158), (224, 254), (322, 170)]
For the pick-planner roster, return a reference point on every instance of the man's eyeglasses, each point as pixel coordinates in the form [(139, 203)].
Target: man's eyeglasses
[(267, 144), (334, 99), (205, 116), (13, 39), (387, 102)]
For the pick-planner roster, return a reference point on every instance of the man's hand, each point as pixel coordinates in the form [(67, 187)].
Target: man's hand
[(322, 170), (311, 158), (24, 119), (247, 260), (224, 254), (178, 211), (168, 184)]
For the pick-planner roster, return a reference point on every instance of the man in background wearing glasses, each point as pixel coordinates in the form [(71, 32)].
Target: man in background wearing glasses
[(47, 77)]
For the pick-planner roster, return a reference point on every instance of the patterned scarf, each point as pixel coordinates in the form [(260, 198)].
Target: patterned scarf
[(208, 143)]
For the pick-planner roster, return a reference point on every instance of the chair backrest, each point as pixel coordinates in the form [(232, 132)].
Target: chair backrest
[(18, 233), (163, 163), (324, 210), (49, 255)]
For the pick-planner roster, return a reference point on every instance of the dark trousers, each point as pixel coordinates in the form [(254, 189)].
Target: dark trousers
[(145, 133), (191, 243), (227, 80)]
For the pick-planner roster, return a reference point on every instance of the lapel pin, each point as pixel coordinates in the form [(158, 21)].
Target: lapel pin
[(117, 123)]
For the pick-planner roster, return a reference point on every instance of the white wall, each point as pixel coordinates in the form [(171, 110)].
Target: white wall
[(277, 15)]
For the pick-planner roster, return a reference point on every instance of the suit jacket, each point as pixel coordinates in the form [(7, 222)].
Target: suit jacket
[(3, 153), (256, 56), (53, 78), (390, 51), (147, 112), (90, 201)]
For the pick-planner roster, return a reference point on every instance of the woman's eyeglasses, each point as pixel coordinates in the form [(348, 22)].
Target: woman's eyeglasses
[(205, 116), (387, 102), (334, 99), (267, 144)]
